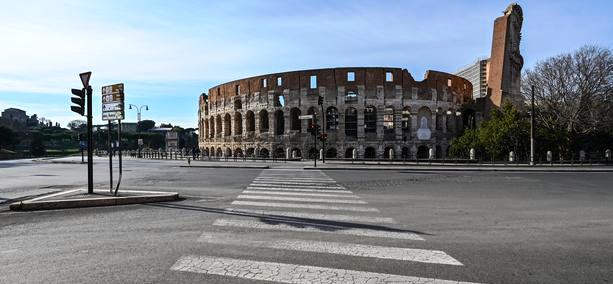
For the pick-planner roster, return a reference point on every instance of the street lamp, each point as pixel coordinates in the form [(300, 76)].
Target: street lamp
[(138, 109)]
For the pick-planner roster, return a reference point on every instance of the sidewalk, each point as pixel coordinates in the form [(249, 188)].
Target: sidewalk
[(79, 198), (458, 167)]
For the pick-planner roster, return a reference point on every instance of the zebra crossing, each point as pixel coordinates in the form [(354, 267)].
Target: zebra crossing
[(313, 204)]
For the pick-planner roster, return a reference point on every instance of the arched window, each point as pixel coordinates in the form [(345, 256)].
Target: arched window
[(294, 119), (279, 122), (218, 126), (263, 121), (238, 123), (250, 121), (351, 97), (439, 119), (351, 122), (331, 153), (388, 120), (264, 153), (370, 153), (349, 153), (212, 128), (370, 119), (406, 121), (331, 118), (279, 153), (205, 124), (227, 124), (423, 152)]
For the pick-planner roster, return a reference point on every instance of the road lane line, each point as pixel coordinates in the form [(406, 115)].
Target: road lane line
[(296, 186), (298, 194), (307, 215), (291, 273), (304, 206), (298, 189), (300, 199), (315, 228), (350, 249)]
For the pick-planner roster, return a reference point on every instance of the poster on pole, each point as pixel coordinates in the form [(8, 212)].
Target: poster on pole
[(113, 107)]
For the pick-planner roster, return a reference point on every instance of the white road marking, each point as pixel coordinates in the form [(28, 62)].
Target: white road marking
[(294, 182), (296, 186), (315, 228), (298, 193), (298, 189), (300, 199), (304, 206), (307, 215), (394, 253), (291, 273)]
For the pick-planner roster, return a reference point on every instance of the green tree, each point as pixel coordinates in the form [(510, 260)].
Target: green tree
[(145, 125), (8, 138), (507, 130)]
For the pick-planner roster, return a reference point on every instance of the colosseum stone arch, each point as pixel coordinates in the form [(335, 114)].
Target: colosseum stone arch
[(373, 112)]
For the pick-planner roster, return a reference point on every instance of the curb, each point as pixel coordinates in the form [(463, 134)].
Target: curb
[(446, 169), (38, 204), (227, 167)]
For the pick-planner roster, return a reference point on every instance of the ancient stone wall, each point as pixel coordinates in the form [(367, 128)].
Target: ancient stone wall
[(370, 109)]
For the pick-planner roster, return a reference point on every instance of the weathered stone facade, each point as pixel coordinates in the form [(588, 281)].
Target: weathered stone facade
[(504, 66), (375, 111)]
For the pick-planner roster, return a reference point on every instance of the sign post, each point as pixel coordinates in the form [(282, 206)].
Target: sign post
[(113, 109)]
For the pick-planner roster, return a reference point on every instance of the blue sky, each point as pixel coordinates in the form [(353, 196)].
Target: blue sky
[(168, 52)]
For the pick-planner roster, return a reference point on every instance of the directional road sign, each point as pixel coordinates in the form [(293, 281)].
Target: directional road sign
[(113, 102), (308, 116)]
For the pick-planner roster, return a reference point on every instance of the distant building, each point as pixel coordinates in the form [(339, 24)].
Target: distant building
[(15, 115), (476, 73), (128, 127), (172, 141)]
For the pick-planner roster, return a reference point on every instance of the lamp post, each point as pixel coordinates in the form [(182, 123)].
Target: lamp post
[(138, 111)]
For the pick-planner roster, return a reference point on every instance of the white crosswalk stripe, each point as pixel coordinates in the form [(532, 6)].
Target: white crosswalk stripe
[(307, 227), (297, 193), (298, 189), (291, 273), (319, 216), (394, 253), (304, 206), (300, 199)]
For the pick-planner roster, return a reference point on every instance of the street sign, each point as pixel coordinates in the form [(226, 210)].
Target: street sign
[(140, 142), (308, 116), (85, 78), (113, 102)]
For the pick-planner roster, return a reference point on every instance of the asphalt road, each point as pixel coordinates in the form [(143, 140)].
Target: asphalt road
[(286, 224)]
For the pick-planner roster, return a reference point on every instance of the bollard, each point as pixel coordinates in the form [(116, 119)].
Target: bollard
[(607, 154), (391, 154), (472, 153), (511, 156), (549, 157), (581, 155), (431, 154)]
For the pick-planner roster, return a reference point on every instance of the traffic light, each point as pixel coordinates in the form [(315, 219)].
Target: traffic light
[(79, 100), (323, 136), (318, 130), (320, 100), (311, 128)]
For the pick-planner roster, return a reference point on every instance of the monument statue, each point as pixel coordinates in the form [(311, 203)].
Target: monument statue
[(424, 132)]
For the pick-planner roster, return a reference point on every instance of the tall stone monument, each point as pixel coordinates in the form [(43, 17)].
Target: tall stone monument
[(504, 66)]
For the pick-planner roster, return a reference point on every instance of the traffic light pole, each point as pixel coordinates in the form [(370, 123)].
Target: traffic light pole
[(90, 143), (323, 132), (110, 147), (315, 141)]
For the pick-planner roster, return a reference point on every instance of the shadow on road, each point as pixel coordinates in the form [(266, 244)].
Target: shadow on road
[(324, 225)]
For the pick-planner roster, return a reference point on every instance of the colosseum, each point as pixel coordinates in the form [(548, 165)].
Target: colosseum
[(366, 113)]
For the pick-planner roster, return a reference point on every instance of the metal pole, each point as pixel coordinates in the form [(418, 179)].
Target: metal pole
[(119, 148), (90, 143), (532, 130), (323, 132), (110, 150), (315, 141)]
